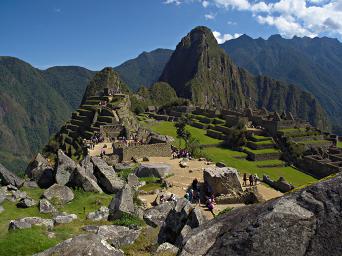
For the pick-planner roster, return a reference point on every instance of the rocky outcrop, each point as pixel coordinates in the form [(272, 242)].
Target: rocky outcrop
[(88, 167), (28, 222), (179, 222), (133, 180), (305, 222), (281, 184), (82, 180), (60, 193), (223, 180), (121, 203), (64, 218), (90, 244), (26, 202), (65, 169), (46, 207), (118, 235), (156, 216), (167, 248), (106, 176), (153, 170), (9, 178), (41, 171), (100, 214)]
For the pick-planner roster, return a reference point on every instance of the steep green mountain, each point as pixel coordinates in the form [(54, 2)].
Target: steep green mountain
[(199, 69), (145, 69), (313, 64), (32, 107)]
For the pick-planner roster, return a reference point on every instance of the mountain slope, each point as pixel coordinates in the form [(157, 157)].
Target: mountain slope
[(31, 109), (313, 64), (145, 69), (199, 69)]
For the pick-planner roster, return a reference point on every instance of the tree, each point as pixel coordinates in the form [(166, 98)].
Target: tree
[(182, 133)]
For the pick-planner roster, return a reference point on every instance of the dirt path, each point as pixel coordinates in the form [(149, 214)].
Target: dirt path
[(183, 178)]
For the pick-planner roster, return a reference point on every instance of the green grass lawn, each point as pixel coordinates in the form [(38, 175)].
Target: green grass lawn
[(168, 128), (262, 151), (264, 142), (30, 241), (228, 156), (339, 144)]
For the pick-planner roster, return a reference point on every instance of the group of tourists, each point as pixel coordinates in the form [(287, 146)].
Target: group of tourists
[(103, 103), (252, 178), (194, 192), (180, 153)]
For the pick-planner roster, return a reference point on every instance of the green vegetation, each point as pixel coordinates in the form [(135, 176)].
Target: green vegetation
[(226, 210), (28, 242), (339, 144), (262, 151), (128, 220), (236, 159)]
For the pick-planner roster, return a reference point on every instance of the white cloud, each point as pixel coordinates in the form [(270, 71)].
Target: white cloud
[(205, 4), (231, 22), (210, 16), (221, 38), (289, 17)]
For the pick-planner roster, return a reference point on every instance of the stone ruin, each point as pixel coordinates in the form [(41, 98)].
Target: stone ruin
[(223, 180), (281, 184)]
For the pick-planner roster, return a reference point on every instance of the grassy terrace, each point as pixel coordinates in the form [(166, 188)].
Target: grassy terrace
[(262, 151), (228, 156), (339, 144)]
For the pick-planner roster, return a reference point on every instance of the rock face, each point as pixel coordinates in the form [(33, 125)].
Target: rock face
[(223, 180), (65, 169), (64, 218), (46, 207), (156, 216), (26, 203), (90, 244), (9, 178), (306, 222), (167, 248), (62, 193), (118, 235), (106, 176), (88, 167), (133, 180), (180, 221), (153, 170), (28, 222), (122, 202), (100, 214), (82, 180), (40, 171)]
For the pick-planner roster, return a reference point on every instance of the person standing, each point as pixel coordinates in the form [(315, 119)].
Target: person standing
[(244, 179)]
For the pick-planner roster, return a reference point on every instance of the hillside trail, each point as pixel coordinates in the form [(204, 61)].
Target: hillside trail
[(182, 179)]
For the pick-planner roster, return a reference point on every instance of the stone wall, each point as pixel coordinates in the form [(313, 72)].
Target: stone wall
[(319, 168), (262, 157), (148, 150)]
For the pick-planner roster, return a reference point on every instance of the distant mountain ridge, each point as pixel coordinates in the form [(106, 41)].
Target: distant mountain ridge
[(33, 105), (200, 70)]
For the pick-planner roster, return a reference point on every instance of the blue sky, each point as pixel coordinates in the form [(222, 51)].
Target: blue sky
[(95, 34)]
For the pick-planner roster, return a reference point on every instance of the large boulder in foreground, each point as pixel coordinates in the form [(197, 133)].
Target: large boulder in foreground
[(118, 235), (89, 244), (223, 180), (106, 176), (156, 216), (65, 169), (305, 222), (153, 170), (62, 194), (121, 203), (41, 171), (9, 178)]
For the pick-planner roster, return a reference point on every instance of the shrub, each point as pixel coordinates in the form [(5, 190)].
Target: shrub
[(128, 220)]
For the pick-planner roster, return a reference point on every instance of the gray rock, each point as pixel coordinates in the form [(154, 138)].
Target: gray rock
[(106, 176), (124, 166), (31, 184), (88, 167), (16, 195), (156, 216), (40, 171), (26, 202), (167, 248), (91, 228), (281, 184), (101, 214), (46, 207), (133, 180), (80, 179), (64, 218), (11, 188), (88, 244), (9, 178), (306, 222), (122, 202), (65, 169), (58, 192), (222, 180), (176, 220), (118, 235), (153, 170), (28, 222)]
